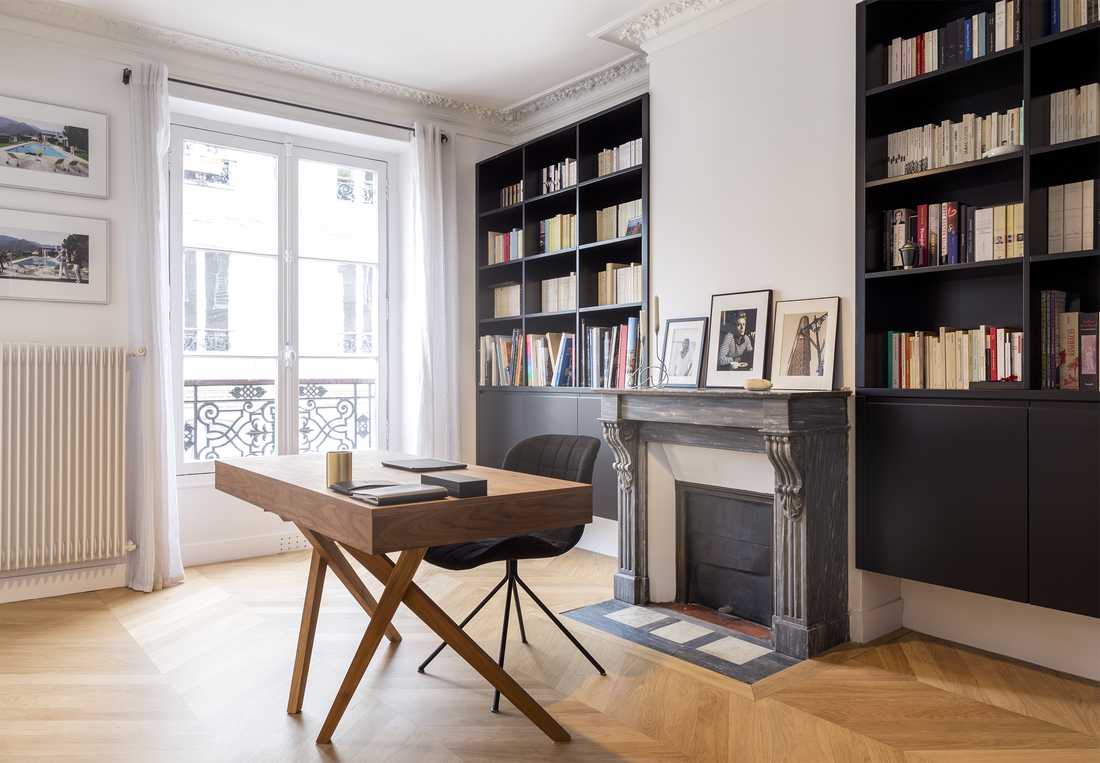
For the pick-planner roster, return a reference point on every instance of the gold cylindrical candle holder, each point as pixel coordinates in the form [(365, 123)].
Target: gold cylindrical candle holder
[(338, 466)]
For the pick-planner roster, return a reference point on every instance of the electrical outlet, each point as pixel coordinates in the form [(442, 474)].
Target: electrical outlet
[(292, 542)]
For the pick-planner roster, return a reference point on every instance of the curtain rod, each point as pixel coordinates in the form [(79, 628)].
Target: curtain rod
[(126, 73)]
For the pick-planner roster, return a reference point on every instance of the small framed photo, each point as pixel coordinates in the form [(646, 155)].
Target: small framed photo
[(52, 148), (738, 343), (52, 257), (683, 350), (804, 351)]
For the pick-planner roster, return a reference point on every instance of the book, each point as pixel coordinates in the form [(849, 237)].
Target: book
[(956, 42), (1075, 113), (621, 157), (557, 294), (999, 226), (557, 233), (950, 358), (983, 224), (1068, 351), (558, 176), (1090, 351), (1055, 218), (1072, 223), (511, 195), (506, 301), (1088, 215), (932, 146), (1017, 230), (504, 247)]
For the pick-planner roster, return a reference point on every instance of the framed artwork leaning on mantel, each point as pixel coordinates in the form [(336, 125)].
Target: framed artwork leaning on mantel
[(737, 347), (804, 348)]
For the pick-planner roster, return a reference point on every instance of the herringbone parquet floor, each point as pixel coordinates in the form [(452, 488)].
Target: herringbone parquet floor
[(200, 673)]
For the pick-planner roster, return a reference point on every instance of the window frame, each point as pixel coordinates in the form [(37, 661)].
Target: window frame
[(287, 149)]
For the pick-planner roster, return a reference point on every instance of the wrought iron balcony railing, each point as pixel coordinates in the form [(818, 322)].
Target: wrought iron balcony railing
[(230, 418)]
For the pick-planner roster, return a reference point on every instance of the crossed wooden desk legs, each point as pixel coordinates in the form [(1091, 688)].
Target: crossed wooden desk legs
[(399, 587)]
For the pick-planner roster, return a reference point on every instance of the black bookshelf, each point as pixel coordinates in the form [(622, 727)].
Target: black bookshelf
[(991, 489), (507, 414)]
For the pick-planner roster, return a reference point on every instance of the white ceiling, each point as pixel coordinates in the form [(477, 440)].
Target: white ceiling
[(492, 53)]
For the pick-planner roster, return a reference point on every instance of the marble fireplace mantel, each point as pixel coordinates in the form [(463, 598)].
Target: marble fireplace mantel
[(805, 436)]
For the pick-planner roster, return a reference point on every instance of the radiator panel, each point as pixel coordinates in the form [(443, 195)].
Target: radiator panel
[(62, 455)]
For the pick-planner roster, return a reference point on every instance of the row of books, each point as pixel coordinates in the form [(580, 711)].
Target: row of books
[(1069, 349), (1070, 14), (953, 358), (621, 157), (549, 359), (950, 233), (559, 293), (1071, 217), (505, 247), (610, 355), (619, 220), (619, 284), (500, 360), (506, 301), (511, 194), (559, 176), (957, 42), (1075, 113), (932, 146), (558, 232)]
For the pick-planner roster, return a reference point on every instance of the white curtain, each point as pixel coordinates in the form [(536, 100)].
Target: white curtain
[(429, 391), (152, 511)]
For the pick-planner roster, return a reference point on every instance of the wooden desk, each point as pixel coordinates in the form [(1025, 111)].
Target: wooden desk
[(294, 488)]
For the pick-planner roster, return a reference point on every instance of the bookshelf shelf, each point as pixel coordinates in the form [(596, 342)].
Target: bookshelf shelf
[(551, 314), (945, 72), (557, 253), (544, 196), (1018, 457), (500, 265), (1014, 262), (507, 319), (501, 210), (635, 170), (952, 169), (611, 242), (610, 308)]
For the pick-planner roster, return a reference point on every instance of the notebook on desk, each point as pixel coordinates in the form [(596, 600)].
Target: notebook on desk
[(396, 494), (422, 464)]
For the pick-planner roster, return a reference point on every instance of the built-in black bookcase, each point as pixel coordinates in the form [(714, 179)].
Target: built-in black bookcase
[(506, 415), (991, 490)]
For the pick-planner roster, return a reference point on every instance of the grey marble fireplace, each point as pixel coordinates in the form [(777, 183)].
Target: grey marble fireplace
[(805, 437)]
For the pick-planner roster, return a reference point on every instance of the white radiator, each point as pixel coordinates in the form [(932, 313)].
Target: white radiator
[(62, 454)]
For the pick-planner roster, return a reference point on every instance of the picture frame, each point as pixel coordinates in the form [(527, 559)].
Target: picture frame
[(738, 344), (52, 148), (682, 351), (55, 258), (804, 343)]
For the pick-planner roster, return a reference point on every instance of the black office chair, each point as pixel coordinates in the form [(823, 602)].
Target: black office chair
[(566, 457)]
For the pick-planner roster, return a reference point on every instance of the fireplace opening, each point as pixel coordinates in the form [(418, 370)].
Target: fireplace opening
[(724, 551)]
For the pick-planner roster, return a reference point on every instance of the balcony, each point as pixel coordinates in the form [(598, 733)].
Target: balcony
[(232, 418)]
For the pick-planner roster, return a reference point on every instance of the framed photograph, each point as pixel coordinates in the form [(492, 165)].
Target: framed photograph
[(683, 350), (804, 352), (52, 257), (738, 344), (52, 148)]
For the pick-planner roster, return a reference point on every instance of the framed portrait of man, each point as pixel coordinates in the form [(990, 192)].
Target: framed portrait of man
[(738, 343), (683, 351)]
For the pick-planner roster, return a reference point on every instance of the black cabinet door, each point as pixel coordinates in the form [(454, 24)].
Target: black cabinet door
[(943, 494), (1064, 507), (505, 418), (605, 488)]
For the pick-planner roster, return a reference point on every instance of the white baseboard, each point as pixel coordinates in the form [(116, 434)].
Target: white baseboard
[(230, 549), (62, 582), (869, 624), (602, 537)]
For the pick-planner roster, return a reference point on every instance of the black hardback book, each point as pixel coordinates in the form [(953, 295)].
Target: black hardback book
[(457, 484), (395, 494)]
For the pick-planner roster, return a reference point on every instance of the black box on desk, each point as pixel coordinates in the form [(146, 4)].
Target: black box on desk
[(458, 484)]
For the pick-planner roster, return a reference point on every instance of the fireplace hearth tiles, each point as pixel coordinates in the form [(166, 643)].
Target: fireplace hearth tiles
[(701, 643)]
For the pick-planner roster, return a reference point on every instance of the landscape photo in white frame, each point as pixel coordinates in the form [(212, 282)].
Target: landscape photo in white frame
[(55, 258), (52, 148), (804, 343)]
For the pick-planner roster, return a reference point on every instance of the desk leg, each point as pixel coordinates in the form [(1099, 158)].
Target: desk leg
[(397, 583), (340, 567), (314, 585), (435, 618)]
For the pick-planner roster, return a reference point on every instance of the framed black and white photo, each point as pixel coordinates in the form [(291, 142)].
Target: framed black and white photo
[(804, 352), (683, 351), (52, 257), (738, 343), (52, 148)]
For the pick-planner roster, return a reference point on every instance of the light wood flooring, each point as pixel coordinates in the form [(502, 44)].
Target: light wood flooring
[(200, 673)]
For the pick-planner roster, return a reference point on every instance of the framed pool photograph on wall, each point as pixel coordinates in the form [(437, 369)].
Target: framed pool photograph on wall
[(52, 257), (52, 148)]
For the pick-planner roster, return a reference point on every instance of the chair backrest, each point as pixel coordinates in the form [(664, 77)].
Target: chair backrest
[(561, 456)]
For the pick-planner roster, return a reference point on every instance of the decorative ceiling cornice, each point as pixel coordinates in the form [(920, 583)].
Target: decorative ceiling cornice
[(79, 19), (656, 21)]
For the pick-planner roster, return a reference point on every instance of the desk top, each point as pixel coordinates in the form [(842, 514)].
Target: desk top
[(294, 488)]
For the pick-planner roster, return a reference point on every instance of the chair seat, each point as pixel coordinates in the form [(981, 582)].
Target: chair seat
[(466, 556)]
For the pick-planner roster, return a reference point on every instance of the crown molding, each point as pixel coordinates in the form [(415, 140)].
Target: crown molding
[(665, 22), (511, 118)]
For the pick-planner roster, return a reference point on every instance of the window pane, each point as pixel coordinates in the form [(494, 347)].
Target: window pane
[(230, 198), (337, 308), (337, 212), (337, 404), (230, 303), (228, 407)]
